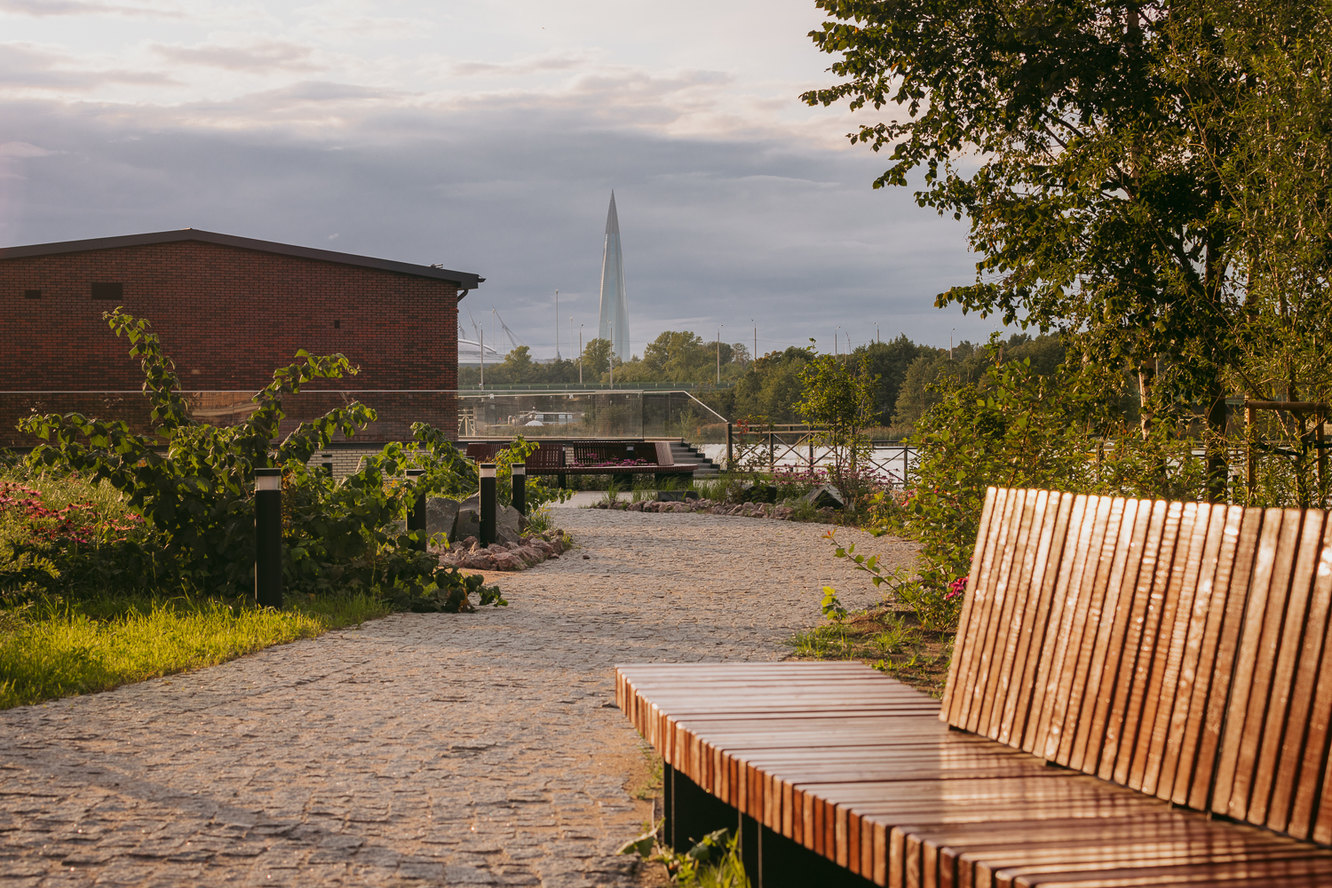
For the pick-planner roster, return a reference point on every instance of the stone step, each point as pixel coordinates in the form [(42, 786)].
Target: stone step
[(684, 453)]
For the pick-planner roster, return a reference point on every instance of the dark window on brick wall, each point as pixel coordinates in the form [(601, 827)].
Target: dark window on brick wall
[(32, 294), (103, 290)]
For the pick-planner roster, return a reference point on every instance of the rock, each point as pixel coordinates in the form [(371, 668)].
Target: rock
[(759, 493), (671, 496), (508, 521), (441, 515), (468, 523), (505, 561), (825, 497)]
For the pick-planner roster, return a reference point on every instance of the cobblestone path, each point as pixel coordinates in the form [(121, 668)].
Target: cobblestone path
[(421, 749)]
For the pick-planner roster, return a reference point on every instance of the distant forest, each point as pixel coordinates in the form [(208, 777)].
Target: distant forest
[(728, 379)]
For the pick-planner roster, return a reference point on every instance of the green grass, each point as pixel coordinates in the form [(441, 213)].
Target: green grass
[(888, 640), (54, 650)]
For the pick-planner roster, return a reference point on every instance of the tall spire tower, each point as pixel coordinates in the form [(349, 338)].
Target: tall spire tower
[(614, 323)]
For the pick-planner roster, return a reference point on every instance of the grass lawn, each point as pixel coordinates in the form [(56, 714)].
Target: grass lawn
[(57, 650)]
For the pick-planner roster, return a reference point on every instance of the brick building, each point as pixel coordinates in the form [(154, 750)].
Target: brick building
[(229, 310)]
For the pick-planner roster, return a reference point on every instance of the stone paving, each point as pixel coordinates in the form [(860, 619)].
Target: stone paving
[(422, 749)]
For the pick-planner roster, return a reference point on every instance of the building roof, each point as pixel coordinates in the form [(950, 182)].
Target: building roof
[(464, 280)]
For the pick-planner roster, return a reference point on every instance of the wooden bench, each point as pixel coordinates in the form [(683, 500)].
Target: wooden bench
[(619, 459), (1140, 694)]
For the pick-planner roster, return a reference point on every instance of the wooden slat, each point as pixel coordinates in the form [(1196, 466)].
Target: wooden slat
[(957, 689), (1229, 602), (1277, 561), (1299, 769), (1200, 635), (1031, 631), (989, 604), (1270, 799), (1081, 622), (1054, 704), (1307, 820), (1041, 672), (1124, 551), (1159, 698), (1011, 600), (1243, 692), (1079, 668), (1134, 594)]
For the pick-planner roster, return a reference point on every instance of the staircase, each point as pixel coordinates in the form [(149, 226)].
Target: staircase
[(684, 454)]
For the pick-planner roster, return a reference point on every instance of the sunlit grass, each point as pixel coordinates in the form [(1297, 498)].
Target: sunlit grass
[(51, 650), (887, 640)]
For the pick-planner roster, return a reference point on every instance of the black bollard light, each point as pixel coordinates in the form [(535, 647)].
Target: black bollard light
[(268, 537), (487, 503), (520, 488), (416, 515)]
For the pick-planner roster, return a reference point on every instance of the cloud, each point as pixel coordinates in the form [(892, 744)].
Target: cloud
[(258, 58), (522, 67), (715, 229), (27, 67), (44, 8)]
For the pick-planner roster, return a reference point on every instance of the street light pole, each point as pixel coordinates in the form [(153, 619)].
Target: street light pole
[(719, 353), (580, 352)]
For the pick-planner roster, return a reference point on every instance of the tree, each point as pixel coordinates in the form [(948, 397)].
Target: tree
[(517, 366), (769, 388), (596, 358), (1066, 133), (889, 362), (838, 399)]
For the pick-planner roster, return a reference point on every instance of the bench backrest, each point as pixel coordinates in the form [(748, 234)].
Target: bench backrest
[(548, 455), (1176, 648)]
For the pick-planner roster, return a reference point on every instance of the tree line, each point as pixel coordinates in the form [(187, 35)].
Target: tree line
[(908, 378)]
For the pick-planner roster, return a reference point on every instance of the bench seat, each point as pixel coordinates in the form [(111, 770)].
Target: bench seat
[(858, 769), (1137, 697)]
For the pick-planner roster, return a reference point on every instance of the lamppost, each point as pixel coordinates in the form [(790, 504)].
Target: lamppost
[(719, 329), (837, 334), (580, 352)]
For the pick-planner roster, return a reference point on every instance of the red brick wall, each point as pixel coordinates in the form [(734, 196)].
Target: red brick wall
[(228, 317)]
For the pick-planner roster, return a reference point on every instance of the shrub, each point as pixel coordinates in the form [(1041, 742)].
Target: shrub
[(1017, 428), (194, 486)]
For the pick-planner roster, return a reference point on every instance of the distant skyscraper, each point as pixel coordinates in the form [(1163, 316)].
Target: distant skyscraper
[(614, 323)]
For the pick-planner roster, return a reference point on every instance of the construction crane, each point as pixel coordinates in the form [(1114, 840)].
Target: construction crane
[(513, 340), (477, 342)]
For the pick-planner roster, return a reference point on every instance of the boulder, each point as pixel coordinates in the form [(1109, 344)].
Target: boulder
[(825, 496), (759, 493), (441, 515), (508, 521)]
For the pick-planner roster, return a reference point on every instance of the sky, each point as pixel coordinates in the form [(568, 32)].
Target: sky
[(486, 137)]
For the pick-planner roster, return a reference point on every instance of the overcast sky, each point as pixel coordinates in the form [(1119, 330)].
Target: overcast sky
[(484, 136)]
